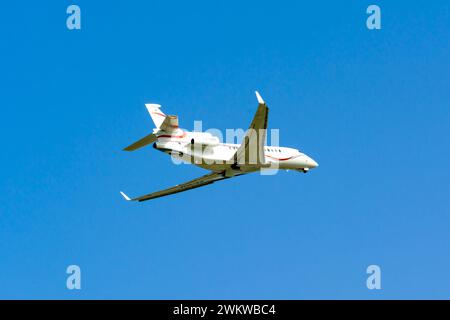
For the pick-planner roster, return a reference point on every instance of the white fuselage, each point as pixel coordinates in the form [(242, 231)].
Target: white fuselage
[(204, 150)]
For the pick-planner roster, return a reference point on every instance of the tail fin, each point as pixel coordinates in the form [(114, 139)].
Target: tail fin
[(155, 112)]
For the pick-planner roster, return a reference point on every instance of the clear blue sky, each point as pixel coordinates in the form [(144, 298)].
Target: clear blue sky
[(372, 107)]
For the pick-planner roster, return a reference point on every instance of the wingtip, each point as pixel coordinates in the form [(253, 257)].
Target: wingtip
[(125, 196), (258, 96)]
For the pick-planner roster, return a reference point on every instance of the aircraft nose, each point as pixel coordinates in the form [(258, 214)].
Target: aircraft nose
[(312, 163)]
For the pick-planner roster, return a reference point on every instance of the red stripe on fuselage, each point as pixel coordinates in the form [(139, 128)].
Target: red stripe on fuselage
[(172, 136), (279, 159)]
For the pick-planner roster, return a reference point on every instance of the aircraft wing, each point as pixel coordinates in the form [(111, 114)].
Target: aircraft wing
[(196, 183), (251, 151)]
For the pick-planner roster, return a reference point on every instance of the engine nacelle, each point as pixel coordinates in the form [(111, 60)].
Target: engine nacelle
[(173, 121), (204, 139)]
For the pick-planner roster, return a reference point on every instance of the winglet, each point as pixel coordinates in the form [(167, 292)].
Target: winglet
[(125, 196), (260, 100)]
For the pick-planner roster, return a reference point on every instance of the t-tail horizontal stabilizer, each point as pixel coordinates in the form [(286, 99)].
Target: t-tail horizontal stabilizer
[(142, 142)]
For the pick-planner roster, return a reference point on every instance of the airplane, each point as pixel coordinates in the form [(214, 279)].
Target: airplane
[(224, 160)]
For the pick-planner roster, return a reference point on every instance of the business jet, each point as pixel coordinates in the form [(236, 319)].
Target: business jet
[(223, 160)]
